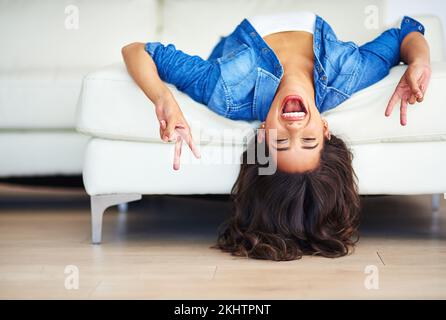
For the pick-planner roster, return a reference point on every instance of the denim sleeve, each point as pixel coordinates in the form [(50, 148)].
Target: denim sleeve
[(378, 56), (189, 74)]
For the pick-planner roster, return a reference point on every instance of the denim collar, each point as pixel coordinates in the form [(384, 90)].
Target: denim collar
[(274, 69)]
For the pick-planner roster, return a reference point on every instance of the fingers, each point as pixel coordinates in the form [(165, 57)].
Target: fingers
[(414, 87), (423, 88), (190, 142), (424, 84), (184, 132), (178, 133), (194, 148), (410, 90), (393, 100), (163, 126), (169, 133), (403, 112), (177, 153)]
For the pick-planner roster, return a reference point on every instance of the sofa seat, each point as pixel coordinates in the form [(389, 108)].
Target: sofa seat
[(113, 107)]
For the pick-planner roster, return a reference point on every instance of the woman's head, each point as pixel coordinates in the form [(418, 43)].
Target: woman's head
[(294, 128), (286, 215)]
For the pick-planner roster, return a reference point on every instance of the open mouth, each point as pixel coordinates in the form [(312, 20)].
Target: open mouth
[(293, 108)]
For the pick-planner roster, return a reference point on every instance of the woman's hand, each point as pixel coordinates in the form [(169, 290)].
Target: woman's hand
[(174, 127), (411, 88)]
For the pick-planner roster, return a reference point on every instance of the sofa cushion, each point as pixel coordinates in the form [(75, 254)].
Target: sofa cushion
[(43, 152), (112, 106), (361, 118), (39, 98)]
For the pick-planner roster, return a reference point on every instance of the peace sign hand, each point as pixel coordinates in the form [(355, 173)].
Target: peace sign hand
[(411, 88), (174, 127)]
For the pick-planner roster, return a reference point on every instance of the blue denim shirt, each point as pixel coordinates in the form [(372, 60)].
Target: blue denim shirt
[(240, 77)]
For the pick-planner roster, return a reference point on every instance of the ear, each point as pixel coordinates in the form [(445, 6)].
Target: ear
[(261, 133), (327, 133)]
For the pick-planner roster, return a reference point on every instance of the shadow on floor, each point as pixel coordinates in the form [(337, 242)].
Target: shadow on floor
[(199, 216)]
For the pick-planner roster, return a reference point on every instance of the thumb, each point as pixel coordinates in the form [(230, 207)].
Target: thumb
[(169, 132), (414, 87), (163, 124)]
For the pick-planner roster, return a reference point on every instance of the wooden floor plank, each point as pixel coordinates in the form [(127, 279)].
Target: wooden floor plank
[(160, 249)]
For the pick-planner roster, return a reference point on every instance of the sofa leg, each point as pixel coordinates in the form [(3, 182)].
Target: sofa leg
[(99, 204), (436, 202), (435, 220), (123, 207)]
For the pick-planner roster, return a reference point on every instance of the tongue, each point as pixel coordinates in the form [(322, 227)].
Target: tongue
[(292, 105)]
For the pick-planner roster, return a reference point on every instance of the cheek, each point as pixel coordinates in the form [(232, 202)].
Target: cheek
[(271, 125)]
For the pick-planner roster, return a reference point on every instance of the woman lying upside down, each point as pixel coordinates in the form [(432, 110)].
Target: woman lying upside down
[(284, 70)]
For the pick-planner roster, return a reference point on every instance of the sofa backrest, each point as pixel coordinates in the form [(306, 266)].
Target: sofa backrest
[(196, 25), (57, 34), (434, 35)]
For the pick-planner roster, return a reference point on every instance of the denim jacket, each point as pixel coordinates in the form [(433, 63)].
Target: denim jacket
[(240, 77)]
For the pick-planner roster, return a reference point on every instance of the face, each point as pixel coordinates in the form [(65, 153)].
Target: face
[(299, 127)]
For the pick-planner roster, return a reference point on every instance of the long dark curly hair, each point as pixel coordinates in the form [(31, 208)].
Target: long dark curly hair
[(284, 216)]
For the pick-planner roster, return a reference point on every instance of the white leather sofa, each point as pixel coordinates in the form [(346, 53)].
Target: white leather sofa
[(47, 47), (126, 159)]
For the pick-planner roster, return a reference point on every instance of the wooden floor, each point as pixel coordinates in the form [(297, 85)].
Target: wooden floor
[(160, 249)]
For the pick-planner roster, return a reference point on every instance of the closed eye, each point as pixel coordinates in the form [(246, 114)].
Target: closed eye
[(311, 147), (279, 141)]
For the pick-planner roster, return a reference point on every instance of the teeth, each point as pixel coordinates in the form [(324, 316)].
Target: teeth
[(294, 114)]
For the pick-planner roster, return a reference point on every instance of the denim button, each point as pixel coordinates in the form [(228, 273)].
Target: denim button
[(265, 50), (253, 34), (407, 20), (323, 78), (420, 28)]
